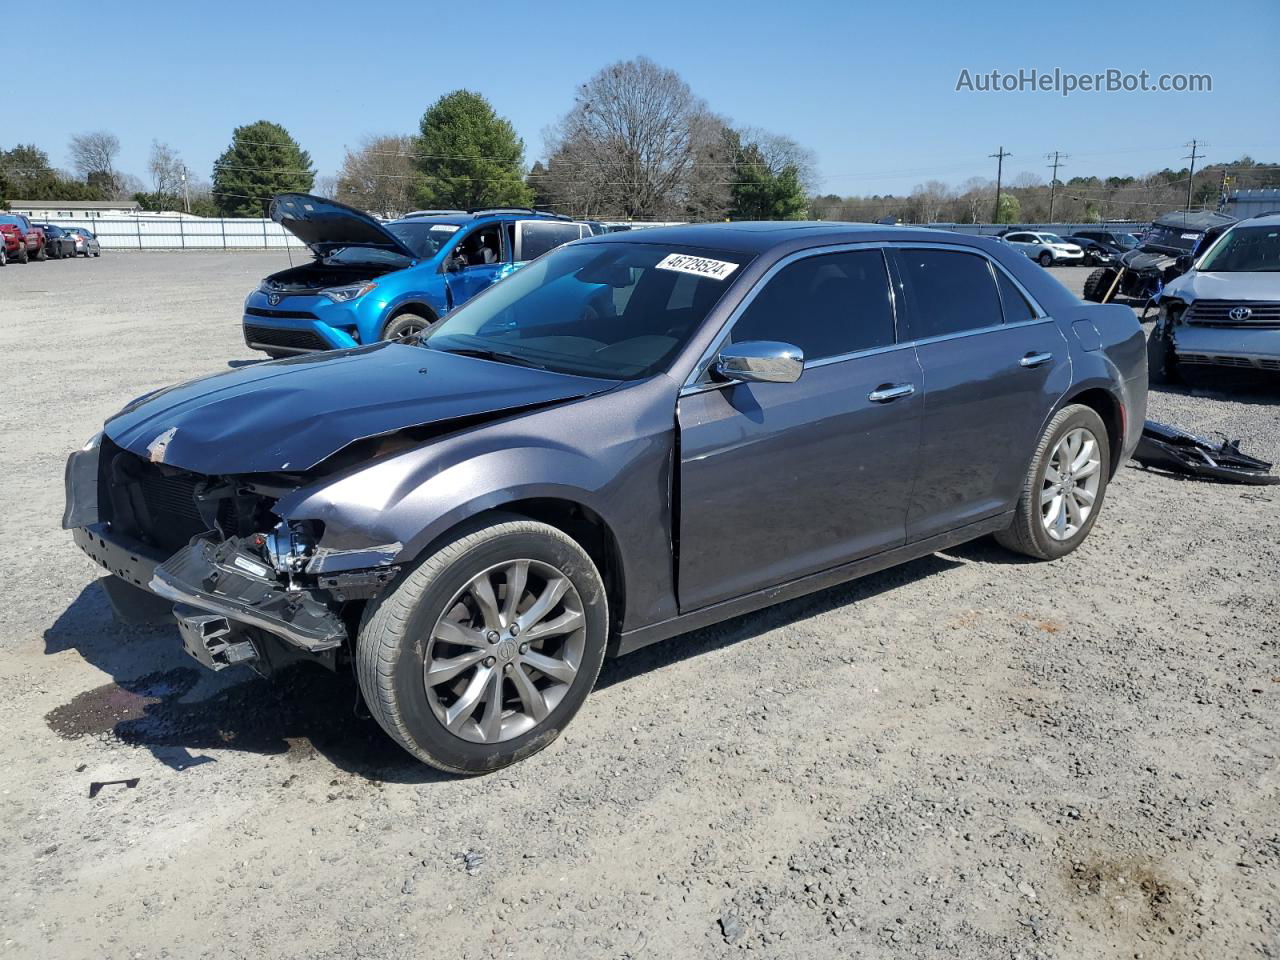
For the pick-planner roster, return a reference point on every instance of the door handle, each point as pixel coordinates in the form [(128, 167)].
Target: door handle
[(891, 391), (1035, 359)]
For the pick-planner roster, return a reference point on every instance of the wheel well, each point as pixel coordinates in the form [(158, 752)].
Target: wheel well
[(590, 531), (1107, 407), (420, 308)]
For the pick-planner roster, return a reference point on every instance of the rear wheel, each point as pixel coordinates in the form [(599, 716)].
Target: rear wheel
[(406, 327), (23, 255), (4, 256), (487, 649), (1046, 259), (42, 253), (1064, 488)]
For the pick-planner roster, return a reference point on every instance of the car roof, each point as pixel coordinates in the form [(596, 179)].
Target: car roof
[(462, 219), (1263, 220), (1200, 220), (754, 237)]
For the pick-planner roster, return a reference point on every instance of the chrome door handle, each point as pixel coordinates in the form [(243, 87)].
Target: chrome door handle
[(1035, 359), (891, 392)]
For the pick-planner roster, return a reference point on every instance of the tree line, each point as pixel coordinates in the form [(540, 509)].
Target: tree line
[(636, 143)]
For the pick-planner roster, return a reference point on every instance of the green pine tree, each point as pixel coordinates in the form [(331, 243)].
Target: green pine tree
[(262, 161), (758, 193), (469, 156)]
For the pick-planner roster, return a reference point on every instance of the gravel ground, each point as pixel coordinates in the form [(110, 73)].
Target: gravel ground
[(969, 756)]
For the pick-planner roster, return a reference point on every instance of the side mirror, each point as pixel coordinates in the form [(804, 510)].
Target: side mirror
[(453, 264), (760, 361)]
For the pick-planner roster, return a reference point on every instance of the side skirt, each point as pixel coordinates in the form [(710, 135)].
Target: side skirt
[(644, 636)]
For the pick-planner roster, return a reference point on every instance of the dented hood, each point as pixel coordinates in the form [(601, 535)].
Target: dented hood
[(292, 414)]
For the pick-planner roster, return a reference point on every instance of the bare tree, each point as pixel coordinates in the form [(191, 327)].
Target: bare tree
[(779, 152), (379, 176), (167, 171), (631, 143), (929, 199), (94, 155)]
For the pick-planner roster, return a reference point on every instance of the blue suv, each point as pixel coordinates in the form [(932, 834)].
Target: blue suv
[(374, 281)]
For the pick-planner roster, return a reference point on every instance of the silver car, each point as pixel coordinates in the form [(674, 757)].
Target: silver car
[(1045, 248), (87, 244), (1225, 310)]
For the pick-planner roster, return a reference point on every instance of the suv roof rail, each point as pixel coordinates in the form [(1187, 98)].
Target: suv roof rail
[(525, 210), (432, 213)]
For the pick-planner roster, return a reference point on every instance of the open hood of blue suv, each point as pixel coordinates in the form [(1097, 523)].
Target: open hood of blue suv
[(326, 225)]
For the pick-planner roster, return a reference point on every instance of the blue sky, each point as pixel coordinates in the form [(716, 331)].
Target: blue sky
[(869, 87)]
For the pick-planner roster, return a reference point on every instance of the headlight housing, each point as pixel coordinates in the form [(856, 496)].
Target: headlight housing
[(346, 294)]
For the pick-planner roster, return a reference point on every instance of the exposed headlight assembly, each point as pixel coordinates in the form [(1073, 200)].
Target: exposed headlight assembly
[(348, 293)]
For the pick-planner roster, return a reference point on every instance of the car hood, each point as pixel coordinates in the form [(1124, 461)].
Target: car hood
[(326, 225), (1143, 259), (292, 414), (1225, 286)]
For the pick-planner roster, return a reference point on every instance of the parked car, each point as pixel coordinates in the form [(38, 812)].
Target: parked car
[(1164, 253), (477, 519), (1047, 249), (87, 242), (1224, 312), (1102, 246), (58, 242), (373, 281), (23, 240)]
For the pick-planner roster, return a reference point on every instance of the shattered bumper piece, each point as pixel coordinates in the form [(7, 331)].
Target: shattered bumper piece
[(1168, 448), (227, 580)]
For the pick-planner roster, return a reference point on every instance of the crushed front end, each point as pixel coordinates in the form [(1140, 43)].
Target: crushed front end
[(244, 584)]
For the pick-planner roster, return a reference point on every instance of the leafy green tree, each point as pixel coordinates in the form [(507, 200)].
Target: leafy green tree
[(1009, 209), (262, 161), (29, 176), (469, 156)]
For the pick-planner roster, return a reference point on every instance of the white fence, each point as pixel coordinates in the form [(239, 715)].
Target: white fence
[(177, 233)]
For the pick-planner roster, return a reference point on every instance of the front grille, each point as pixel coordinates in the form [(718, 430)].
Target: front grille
[(146, 501), (1217, 313), (285, 339), (1218, 360), (279, 314)]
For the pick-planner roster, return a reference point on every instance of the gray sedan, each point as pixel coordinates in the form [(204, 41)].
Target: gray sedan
[(634, 436)]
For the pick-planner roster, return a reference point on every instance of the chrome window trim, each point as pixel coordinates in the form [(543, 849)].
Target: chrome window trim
[(695, 384)]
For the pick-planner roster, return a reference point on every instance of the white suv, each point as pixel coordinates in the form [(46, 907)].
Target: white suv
[(1045, 248)]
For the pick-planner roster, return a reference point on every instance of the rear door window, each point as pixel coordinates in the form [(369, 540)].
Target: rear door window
[(1016, 307), (950, 292), (826, 305), (536, 237)]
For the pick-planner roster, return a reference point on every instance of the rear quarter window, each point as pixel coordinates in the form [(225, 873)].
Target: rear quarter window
[(537, 237)]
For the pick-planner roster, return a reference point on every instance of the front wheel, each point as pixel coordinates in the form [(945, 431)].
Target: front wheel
[(407, 327), (1046, 259), (1064, 488), (487, 648)]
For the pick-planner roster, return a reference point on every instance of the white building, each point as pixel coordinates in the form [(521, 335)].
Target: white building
[(44, 210)]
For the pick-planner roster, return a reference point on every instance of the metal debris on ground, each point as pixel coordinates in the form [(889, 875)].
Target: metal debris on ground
[(96, 786), (1168, 448)]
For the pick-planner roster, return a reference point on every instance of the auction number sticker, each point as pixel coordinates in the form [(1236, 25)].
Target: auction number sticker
[(698, 266)]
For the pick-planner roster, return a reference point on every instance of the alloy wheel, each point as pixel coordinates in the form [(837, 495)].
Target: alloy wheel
[(505, 651), (410, 332), (1071, 481)]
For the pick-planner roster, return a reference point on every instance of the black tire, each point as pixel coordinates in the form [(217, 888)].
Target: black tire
[(1045, 258), (4, 256), (1098, 283), (406, 325), (394, 632), (98, 254), (43, 253), (24, 256), (1027, 534), (1162, 363)]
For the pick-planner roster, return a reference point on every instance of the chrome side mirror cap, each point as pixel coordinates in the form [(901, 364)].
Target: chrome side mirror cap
[(760, 361)]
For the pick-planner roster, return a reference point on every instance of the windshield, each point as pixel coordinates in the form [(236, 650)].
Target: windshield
[(1171, 238), (1126, 241), (424, 239), (1245, 250), (613, 310)]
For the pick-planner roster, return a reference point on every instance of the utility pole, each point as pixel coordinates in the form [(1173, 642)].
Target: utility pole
[(186, 192), (1057, 159), (1000, 155), (1191, 177)]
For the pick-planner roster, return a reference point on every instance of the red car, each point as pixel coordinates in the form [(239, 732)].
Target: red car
[(23, 240)]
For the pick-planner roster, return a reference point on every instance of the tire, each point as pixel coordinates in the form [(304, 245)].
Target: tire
[(1098, 283), (43, 253), (1029, 533), (406, 325), (24, 256), (400, 634), (1045, 258), (4, 256), (98, 254), (1162, 363)]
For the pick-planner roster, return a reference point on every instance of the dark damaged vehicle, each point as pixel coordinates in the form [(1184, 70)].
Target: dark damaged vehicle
[(1165, 253), (635, 435)]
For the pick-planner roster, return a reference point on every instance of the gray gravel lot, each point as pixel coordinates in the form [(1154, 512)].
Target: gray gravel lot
[(970, 756)]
